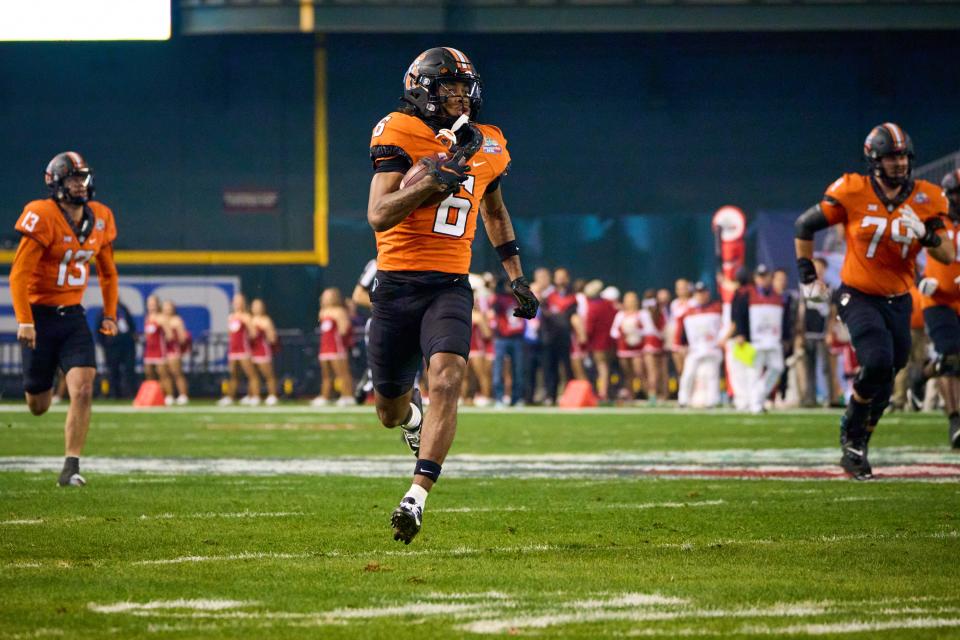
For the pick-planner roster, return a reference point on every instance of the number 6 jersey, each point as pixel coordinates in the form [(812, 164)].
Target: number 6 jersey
[(52, 265), (881, 251), (434, 237)]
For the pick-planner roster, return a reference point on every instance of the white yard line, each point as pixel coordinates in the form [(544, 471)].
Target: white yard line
[(194, 605), (239, 514), (227, 558), (858, 626)]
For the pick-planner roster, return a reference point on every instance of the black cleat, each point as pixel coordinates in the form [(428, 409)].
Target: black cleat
[(406, 520), (955, 430), (70, 475), (854, 460)]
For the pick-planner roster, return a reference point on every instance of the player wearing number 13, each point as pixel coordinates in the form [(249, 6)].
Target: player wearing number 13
[(61, 236), (888, 218), (422, 301)]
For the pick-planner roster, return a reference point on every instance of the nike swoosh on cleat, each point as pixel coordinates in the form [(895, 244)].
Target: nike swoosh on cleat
[(855, 451)]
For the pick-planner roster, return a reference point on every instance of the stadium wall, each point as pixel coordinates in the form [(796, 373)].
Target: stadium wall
[(613, 135)]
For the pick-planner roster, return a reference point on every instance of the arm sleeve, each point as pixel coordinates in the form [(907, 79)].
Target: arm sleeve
[(24, 265), (109, 281), (809, 222)]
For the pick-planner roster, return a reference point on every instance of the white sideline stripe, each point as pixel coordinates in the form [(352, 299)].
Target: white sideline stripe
[(195, 605), (37, 521), (300, 408), (239, 514), (892, 461)]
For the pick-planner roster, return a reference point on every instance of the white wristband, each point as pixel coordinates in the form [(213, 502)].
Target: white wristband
[(26, 325)]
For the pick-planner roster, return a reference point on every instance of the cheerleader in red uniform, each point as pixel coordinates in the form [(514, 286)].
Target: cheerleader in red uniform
[(240, 330), (335, 332), (262, 346), (652, 323), (481, 340), (154, 346), (175, 341), (627, 330)]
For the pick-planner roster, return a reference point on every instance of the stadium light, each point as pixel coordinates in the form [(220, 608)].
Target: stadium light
[(84, 20)]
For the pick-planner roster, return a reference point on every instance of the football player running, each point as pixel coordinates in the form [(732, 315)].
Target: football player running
[(61, 236), (888, 218), (940, 291), (421, 295)]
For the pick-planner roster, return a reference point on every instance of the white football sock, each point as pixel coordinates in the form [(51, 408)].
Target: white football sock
[(418, 493), (415, 418)]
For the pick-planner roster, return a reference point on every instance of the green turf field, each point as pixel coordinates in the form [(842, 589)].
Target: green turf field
[(208, 523)]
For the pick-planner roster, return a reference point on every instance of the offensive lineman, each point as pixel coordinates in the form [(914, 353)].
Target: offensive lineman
[(940, 288), (888, 217), (421, 296), (60, 237)]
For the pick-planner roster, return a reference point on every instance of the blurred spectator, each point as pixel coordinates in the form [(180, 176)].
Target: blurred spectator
[(698, 339), (737, 370), (791, 316), (556, 333), (508, 342), (662, 359), (652, 323), (120, 352), (678, 307), (178, 342), (241, 332), (155, 346), (262, 347), (627, 330), (335, 333), (599, 320), (814, 371), (758, 317), (478, 366)]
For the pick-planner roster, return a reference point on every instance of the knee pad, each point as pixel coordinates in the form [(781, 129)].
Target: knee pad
[(948, 365)]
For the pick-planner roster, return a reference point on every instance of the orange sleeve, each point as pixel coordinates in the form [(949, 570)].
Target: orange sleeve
[(109, 281), (832, 203), (33, 223), (25, 264)]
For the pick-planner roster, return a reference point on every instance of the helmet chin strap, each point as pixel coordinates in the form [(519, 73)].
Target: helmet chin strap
[(891, 182)]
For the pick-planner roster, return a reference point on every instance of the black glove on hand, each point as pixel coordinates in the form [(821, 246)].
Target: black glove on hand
[(931, 239), (449, 173), (528, 302)]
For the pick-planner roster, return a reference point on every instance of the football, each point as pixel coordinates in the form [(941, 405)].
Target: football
[(418, 172)]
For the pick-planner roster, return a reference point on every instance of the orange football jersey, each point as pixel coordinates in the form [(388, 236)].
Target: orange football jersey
[(61, 269), (947, 275), (881, 252), (437, 237)]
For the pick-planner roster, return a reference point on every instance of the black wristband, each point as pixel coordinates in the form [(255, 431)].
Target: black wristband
[(508, 249), (808, 272)]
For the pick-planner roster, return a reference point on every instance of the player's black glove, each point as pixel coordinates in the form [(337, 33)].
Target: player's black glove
[(527, 301), (449, 173), (932, 238)]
